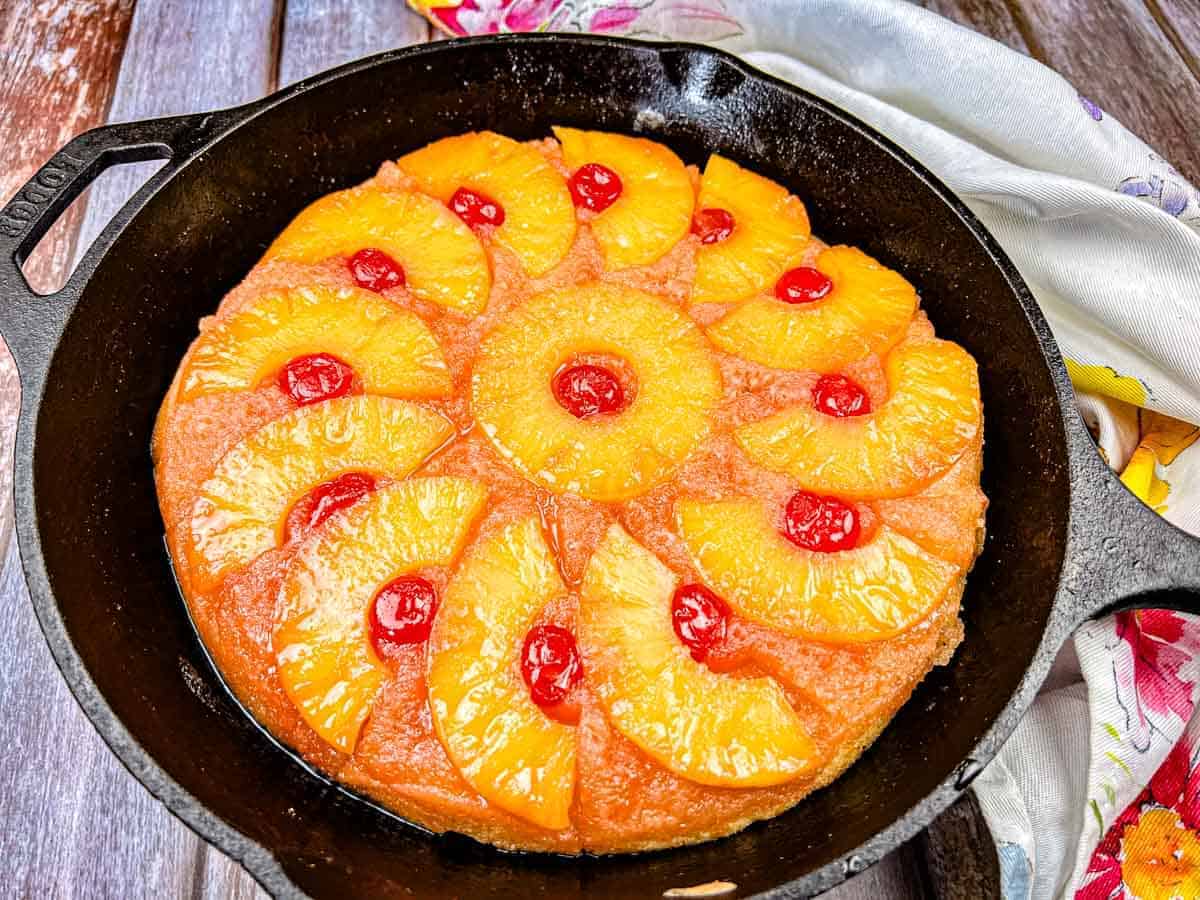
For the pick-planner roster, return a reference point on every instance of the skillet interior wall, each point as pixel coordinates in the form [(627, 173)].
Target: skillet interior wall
[(102, 535)]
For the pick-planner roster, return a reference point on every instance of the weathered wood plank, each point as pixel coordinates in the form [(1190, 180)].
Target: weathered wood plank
[(960, 854), (60, 62), (988, 17), (1180, 21), (1116, 53), (75, 821), (321, 34)]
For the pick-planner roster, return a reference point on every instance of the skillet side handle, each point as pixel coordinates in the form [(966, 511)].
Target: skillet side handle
[(1121, 553), (31, 320)]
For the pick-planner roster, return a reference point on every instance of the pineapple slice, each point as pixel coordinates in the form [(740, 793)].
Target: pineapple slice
[(539, 217), (506, 748), (443, 260), (606, 457), (654, 210), (709, 728), (241, 509), (322, 645), (867, 311), (770, 230), (390, 349), (875, 591), (932, 416)]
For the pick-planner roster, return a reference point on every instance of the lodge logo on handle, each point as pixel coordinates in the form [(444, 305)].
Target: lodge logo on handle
[(25, 208)]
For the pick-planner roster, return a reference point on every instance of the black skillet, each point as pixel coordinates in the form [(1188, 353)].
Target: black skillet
[(1066, 542)]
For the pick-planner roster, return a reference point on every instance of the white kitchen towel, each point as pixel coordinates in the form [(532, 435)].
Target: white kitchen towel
[(1095, 795)]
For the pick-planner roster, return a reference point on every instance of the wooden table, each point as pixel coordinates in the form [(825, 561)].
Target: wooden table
[(73, 822)]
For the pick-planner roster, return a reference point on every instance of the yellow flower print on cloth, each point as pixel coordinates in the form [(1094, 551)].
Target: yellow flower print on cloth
[(1161, 858), (1162, 440), (1106, 380)]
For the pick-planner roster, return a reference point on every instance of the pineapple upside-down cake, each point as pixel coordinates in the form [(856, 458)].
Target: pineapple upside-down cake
[(571, 498)]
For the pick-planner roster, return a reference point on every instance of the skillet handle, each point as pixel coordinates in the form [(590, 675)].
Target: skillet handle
[(1121, 554), (30, 320)]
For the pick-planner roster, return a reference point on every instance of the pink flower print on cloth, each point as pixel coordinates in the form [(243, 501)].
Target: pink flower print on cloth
[(1155, 672), (695, 20)]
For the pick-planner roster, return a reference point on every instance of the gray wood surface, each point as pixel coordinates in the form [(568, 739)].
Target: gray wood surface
[(74, 823)]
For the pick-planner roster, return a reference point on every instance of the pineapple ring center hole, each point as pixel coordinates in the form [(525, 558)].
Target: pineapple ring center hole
[(594, 385)]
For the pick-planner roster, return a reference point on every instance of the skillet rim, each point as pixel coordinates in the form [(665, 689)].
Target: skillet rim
[(222, 124)]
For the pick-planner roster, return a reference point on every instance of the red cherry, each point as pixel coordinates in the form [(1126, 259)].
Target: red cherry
[(713, 225), (595, 187), (586, 390), (476, 209), (824, 524), (802, 285), (311, 510), (550, 664), (316, 377), (375, 270), (402, 613), (837, 395), (700, 618), (343, 491)]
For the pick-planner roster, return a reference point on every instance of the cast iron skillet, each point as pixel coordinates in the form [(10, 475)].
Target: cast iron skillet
[(1065, 540)]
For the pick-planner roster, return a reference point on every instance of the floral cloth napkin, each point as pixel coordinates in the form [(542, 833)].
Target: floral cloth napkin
[(1097, 794)]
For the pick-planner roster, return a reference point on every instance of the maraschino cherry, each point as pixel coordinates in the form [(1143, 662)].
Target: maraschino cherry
[(375, 270), (595, 187), (803, 285), (587, 390), (713, 225), (476, 209), (700, 618), (314, 508), (839, 396), (402, 613), (550, 664), (316, 377), (823, 524)]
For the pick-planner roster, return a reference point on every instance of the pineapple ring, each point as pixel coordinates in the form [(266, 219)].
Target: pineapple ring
[(867, 312), (321, 639), (241, 509), (932, 416), (390, 349), (873, 592), (770, 231), (709, 728), (611, 457), (443, 260), (653, 212), (539, 224), (506, 748)]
